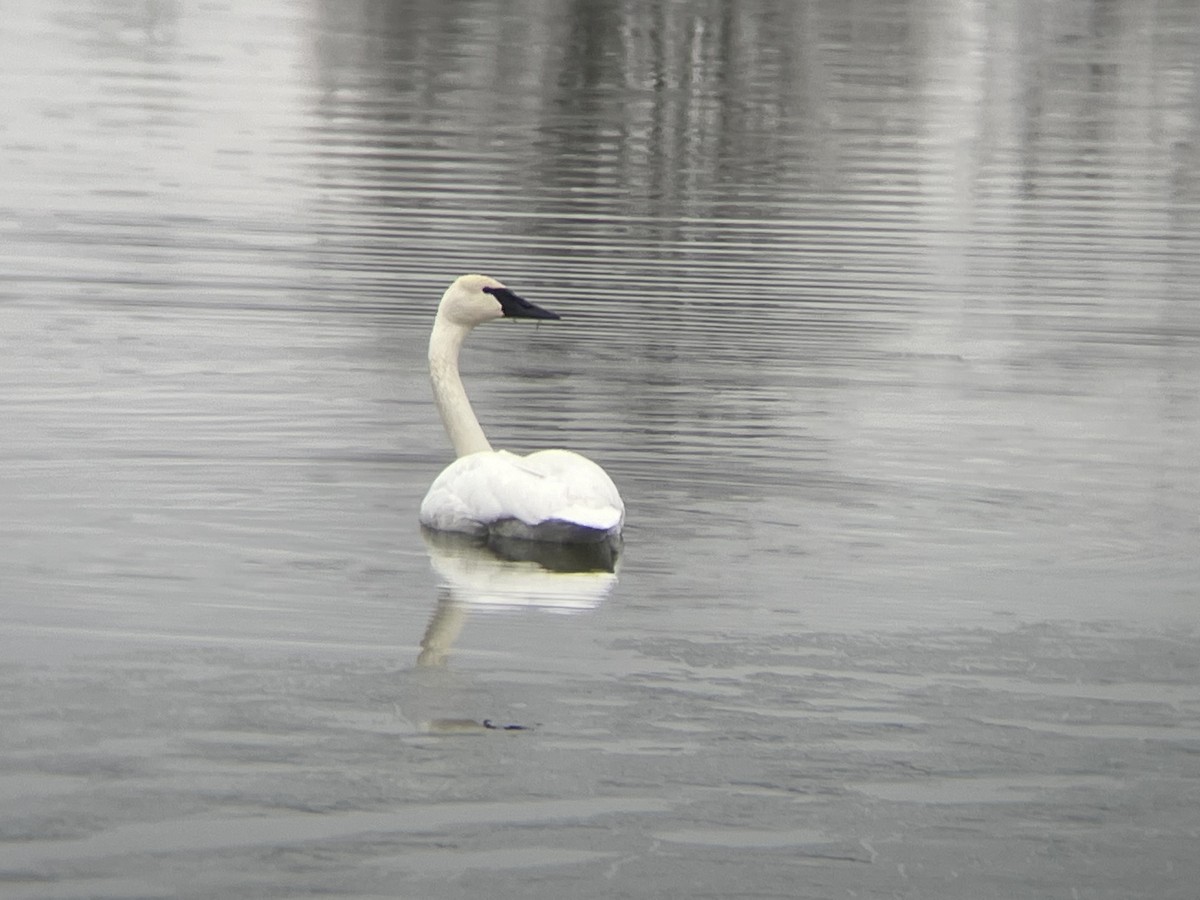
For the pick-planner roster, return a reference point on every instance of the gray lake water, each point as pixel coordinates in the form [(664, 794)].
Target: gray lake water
[(883, 315)]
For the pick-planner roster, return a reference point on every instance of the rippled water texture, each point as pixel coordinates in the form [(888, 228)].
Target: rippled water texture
[(883, 315)]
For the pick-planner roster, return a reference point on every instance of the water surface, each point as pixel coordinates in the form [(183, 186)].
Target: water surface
[(882, 315)]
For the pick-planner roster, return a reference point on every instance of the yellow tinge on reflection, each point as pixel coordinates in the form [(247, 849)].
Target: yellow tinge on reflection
[(508, 576)]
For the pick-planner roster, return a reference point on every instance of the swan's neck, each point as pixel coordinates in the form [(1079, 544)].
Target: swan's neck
[(448, 391)]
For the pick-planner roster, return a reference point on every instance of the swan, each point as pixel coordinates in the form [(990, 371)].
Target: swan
[(551, 495)]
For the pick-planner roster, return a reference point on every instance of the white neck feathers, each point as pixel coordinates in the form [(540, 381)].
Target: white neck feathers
[(461, 425)]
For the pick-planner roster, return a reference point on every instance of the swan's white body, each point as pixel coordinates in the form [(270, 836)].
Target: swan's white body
[(550, 495)]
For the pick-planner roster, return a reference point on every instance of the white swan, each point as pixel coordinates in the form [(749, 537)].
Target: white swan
[(550, 495)]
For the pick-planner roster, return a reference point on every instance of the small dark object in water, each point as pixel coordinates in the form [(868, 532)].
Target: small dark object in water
[(488, 723)]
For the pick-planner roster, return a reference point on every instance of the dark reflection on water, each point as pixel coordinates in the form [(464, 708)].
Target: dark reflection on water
[(596, 556), (882, 315)]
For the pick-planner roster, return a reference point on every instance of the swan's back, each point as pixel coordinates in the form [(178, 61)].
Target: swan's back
[(550, 495)]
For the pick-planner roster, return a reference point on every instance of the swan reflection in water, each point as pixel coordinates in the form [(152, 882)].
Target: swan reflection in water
[(499, 574)]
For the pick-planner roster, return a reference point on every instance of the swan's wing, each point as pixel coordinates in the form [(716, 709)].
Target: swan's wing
[(551, 485), (462, 498), (574, 489)]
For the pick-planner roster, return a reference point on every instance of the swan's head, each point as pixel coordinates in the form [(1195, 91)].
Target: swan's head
[(475, 299)]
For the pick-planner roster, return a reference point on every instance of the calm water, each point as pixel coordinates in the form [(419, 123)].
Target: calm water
[(884, 316)]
